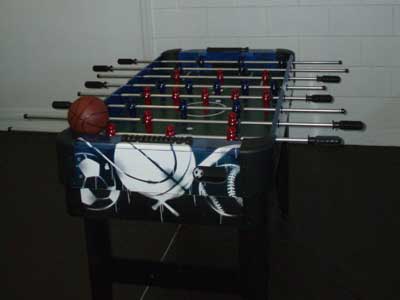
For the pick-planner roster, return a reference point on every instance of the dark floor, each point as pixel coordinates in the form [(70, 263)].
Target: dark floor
[(342, 243)]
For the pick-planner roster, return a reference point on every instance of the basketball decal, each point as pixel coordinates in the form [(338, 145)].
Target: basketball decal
[(159, 172)]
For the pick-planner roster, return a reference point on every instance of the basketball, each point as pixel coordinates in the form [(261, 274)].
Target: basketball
[(88, 114)]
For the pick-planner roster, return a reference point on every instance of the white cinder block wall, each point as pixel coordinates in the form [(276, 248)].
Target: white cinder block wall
[(365, 34), (47, 48)]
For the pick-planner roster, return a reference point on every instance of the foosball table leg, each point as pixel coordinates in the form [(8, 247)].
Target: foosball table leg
[(253, 262), (283, 181), (99, 258)]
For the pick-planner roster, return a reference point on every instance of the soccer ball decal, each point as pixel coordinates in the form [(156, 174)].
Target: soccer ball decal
[(98, 190)]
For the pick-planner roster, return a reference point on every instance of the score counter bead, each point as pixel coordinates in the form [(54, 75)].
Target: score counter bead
[(170, 131)]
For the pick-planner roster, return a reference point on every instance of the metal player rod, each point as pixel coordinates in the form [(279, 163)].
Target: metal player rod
[(183, 121), (306, 70), (310, 140), (138, 61), (221, 108), (311, 98), (333, 125), (315, 78), (66, 105), (59, 118), (225, 86), (344, 125), (105, 84)]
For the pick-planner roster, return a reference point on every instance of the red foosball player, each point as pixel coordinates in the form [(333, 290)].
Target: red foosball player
[(205, 97), (232, 119), (176, 75), (267, 98), (231, 134), (220, 76), (266, 77), (235, 95), (147, 95), (170, 131), (176, 96), (233, 122), (111, 129), (148, 121)]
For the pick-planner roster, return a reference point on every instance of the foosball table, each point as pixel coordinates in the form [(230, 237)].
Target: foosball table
[(195, 136)]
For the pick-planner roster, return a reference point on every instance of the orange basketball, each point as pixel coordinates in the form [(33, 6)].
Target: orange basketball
[(88, 114)]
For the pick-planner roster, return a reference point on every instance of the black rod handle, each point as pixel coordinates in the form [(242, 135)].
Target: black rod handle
[(102, 68), (329, 79), (348, 125), (319, 98), (95, 85), (61, 104), (325, 140), (127, 61)]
